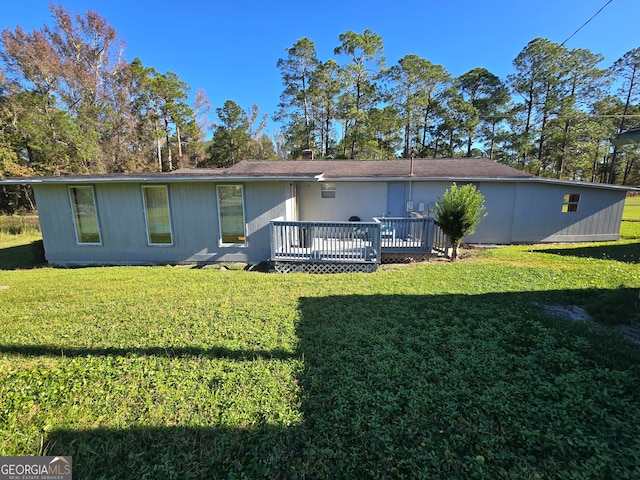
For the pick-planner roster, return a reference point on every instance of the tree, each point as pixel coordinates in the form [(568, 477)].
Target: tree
[(538, 74), (70, 68), (458, 213), (201, 109), (387, 132), (627, 69), (260, 146), (416, 86), (161, 99), (325, 87), (365, 53), (583, 84), (488, 96), (295, 102), (231, 141)]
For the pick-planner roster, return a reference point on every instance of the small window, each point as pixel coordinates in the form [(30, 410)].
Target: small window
[(328, 190), (85, 216), (231, 215), (570, 203), (157, 216)]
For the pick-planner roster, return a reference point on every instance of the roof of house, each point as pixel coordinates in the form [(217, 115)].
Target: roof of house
[(446, 169), (629, 136), (421, 168)]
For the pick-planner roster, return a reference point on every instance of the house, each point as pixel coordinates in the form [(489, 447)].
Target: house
[(299, 211)]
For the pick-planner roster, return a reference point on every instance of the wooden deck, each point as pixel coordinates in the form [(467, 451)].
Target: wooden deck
[(325, 242), (349, 243)]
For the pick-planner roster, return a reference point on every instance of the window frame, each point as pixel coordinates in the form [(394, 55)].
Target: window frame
[(570, 202), (150, 243), (327, 190), (75, 214), (221, 234)]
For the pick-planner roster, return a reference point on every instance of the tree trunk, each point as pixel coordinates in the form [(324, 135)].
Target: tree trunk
[(454, 252), (493, 136), (159, 151), (169, 158), (612, 168), (627, 169), (28, 194), (326, 137), (179, 144)]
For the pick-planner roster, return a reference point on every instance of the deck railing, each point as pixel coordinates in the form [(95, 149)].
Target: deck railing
[(406, 234), (348, 242), (440, 240)]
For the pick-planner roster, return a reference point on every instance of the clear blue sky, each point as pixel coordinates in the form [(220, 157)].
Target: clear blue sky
[(230, 48)]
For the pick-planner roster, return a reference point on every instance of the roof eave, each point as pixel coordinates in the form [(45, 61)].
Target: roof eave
[(147, 179), (301, 178)]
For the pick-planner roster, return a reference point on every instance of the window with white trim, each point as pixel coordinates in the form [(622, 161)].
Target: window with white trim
[(157, 215), (571, 202), (231, 215), (328, 190), (85, 215)]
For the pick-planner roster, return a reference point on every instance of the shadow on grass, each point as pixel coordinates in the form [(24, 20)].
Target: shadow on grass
[(168, 352), (628, 252), (413, 386), (26, 256)]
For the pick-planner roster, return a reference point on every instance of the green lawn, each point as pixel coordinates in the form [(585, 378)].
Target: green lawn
[(426, 371), (630, 227)]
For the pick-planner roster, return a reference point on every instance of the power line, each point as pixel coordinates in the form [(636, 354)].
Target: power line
[(585, 23)]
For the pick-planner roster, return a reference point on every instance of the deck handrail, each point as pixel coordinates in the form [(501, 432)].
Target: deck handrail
[(325, 241), (406, 234), (350, 242), (440, 240)]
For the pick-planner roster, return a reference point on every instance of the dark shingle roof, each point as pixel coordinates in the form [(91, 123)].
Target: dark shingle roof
[(431, 168), (442, 168)]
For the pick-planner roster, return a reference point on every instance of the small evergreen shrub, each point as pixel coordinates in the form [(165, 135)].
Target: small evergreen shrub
[(458, 213)]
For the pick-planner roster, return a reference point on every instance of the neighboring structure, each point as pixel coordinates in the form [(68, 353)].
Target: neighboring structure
[(627, 137), (229, 215)]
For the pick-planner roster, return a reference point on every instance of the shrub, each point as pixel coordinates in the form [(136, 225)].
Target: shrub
[(458, 213)]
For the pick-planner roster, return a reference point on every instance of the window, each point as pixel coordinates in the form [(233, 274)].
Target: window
[(328, 190), (231, 215), (570, 203), (156, 211), (85, 216)]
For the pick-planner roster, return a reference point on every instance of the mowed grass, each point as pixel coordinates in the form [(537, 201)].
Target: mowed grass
[(630, 227), (436, 370)]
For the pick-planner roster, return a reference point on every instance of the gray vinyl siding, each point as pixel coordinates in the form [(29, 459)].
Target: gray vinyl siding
[(538, 215), (496, 227), (194, 219), (518, 212)]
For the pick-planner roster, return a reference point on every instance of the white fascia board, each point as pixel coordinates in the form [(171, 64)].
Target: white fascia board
[(314, 178), (571, 183), (146, 179)]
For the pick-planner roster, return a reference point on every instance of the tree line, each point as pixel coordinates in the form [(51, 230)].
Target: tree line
[(554, 116), (71, 104)]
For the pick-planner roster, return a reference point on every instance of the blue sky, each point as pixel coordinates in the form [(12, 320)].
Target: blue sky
[(230, 48)]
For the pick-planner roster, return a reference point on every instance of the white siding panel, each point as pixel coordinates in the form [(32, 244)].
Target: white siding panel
[(362, 199)]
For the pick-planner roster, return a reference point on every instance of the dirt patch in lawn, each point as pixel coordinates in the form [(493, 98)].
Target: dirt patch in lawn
[(630, 331)]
